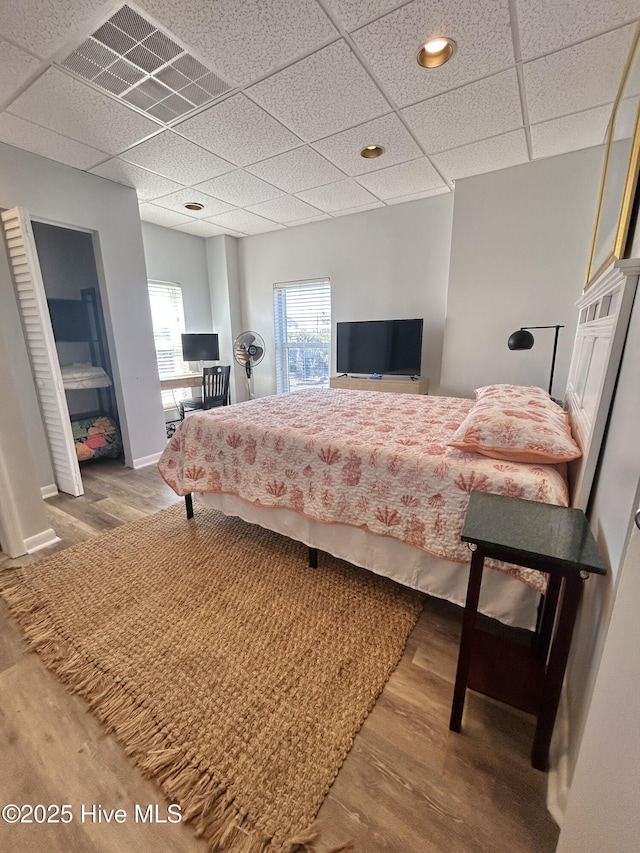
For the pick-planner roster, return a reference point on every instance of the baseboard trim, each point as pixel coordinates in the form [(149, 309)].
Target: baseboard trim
[(40, 540), (49, 491), (143, 461), (558, 777)]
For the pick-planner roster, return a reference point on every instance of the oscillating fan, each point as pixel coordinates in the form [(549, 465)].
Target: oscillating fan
[(248, 350)]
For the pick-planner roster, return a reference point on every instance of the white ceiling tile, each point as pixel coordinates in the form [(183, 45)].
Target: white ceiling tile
[(177, 158), (245, 222), (322, 94), (300, 169), (162, 216), (60, 102), (486, 108), (245, 39), (44, 27), (147, 184), (482, 31), (355, 13), (551, 25), (360, 209), (285, 209), (47, 143), (240, 189), (415, 176), (626, 118), (416, 196), (205, 229), (586, 75), (339, 196), (344, 148), (239, 131), (487, 156), (570, 133), (309, 220), (178, 199), (16, 67)]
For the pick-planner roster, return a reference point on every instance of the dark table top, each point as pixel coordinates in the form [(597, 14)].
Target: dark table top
[(524, 529)]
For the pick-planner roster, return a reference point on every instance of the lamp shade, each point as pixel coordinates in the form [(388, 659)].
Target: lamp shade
[(200, 347), (520, 340)]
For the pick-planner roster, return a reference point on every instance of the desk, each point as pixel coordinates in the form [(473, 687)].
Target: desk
[(187, 380), (551, 539)]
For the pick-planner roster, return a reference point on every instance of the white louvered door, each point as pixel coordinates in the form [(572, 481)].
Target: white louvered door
[(38, 333)]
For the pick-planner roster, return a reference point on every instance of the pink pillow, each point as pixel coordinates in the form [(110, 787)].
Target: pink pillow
[(517, 423)]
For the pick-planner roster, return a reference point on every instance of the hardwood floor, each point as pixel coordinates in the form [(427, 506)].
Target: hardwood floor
[(408, 784)]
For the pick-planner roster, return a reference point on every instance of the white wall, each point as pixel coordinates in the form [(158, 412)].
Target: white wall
[(383, 264), (519, 253), (181, 258), (66, 196), (224, 282)]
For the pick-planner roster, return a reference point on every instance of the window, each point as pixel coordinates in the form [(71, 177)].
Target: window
[(167, 316), (302, 312)]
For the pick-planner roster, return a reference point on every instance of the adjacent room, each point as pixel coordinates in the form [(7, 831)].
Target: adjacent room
[(307, 309)]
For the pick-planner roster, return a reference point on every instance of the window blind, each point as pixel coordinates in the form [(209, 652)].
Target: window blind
[(302, 317), (167, 316)]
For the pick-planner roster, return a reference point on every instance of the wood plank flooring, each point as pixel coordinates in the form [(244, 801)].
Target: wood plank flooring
[(408, 784)]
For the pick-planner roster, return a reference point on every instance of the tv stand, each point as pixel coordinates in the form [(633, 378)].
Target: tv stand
[(393, 385)]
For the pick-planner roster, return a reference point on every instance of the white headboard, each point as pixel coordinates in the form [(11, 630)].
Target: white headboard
[(604, 311)]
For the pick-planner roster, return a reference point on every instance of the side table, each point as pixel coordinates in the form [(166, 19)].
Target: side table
[(547, 538)]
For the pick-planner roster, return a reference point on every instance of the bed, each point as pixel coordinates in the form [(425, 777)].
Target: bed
[(372, 478)]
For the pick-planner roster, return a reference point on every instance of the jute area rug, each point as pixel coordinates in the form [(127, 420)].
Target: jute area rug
[(235, 675)]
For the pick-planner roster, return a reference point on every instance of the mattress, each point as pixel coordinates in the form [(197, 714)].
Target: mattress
[(77, 377), (96, 438)]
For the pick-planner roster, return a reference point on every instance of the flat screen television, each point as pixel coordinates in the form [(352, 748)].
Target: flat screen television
[(391, 347)]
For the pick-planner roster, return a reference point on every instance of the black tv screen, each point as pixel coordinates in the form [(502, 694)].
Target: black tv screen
[(392, 347)]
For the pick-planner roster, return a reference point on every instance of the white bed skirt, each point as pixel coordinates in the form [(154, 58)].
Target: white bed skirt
[(502, 597)]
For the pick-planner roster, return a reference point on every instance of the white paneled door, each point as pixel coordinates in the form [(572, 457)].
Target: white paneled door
[(38, 333)]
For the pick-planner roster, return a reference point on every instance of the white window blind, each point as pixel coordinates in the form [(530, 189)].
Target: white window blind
[(167, 316), (302, 314)]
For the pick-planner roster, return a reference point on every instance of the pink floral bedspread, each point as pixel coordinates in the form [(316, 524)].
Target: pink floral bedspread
[(373, 460)]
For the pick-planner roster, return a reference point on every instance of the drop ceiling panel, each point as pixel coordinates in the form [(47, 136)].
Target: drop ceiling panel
[(61, 103), (547, 26), (245, 39), (473, 112), (344, 148), (16, 67), (403, 179), (44, 27), (586, 75), (481, 29), (162, 216), (416, 196), (147, 184), (293, 171), (348, 211), (310, 219), (239, 131), (570, 133), (177, 158), (245, 222), (355, 13), (284, 210), (322, 94), (23, 134), (240, 189), (339, 196), (210, 206), (487, 156), (205, 229)]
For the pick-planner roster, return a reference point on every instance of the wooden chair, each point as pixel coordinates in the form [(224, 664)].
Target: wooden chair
[(215, 390)]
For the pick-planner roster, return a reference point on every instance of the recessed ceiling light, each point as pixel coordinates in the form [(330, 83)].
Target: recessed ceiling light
[(194, 205), (436, 52), (372, 151)]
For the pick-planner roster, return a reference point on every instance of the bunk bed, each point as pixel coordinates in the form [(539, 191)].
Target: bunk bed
[(79, 332)]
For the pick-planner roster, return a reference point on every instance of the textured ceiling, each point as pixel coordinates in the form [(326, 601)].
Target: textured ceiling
[(299, 88)]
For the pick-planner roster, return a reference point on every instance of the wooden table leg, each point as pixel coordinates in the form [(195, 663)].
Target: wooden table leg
[(555, 672), (466, 639), (543, 644)]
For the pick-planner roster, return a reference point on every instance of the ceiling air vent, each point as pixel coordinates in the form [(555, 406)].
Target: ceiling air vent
[(130, 58)]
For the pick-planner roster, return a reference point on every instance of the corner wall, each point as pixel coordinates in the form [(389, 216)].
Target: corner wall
[(519, 253)]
